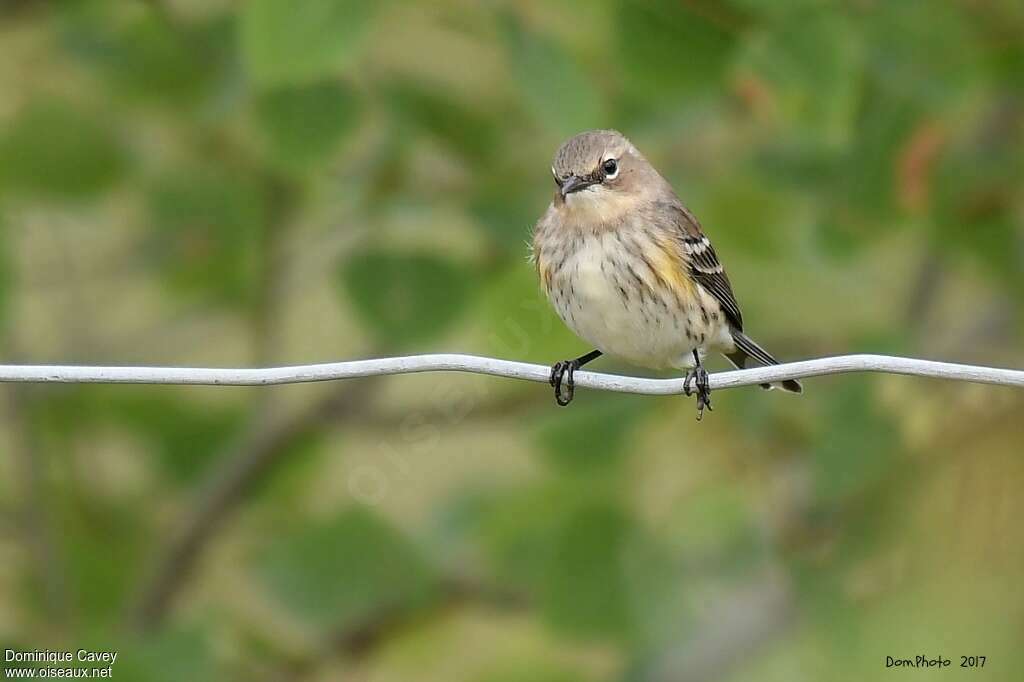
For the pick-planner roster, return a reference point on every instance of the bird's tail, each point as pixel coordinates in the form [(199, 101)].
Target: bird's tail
[(747, 350)]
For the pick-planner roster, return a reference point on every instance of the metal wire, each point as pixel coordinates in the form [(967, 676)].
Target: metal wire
[(447, 362)]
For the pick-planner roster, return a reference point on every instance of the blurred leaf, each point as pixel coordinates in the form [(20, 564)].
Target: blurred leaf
[(864, 194), (286, 487), (208, 223), (532, 671), (282, 43), (304, 124), (406, 298), (455, 525), (913, 57), (519, 322), (519, 530), (344, 570), (185, 434), (857, 445), (58, 414), (593, 437), (593, 570), (166, 656), (472, 133), (585, 588), (748, 218), (505, 211), (6, 273), (148, 57), (715, 528), (54, 149), (103, 547), (555, 87), (975, 201), (842, 235), (811, 63), (775, 9), (884, 122), (797, 164), (387, 173), (670, 49)]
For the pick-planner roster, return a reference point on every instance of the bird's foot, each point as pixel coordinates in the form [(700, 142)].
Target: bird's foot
[(563, 371), (698, 377)]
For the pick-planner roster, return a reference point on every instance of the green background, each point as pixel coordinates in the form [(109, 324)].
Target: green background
[(196, 182)]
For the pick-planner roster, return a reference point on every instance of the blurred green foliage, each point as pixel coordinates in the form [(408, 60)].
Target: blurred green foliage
[(52, 149), (280, 45), (345, 570), (206, 232), (195, 183), (405, 298), (304, 124)]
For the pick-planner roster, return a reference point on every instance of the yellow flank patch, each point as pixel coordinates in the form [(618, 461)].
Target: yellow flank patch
[(669, 266), (544, 272)]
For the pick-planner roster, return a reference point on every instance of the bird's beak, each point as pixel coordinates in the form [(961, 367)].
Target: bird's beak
[(574, 183)]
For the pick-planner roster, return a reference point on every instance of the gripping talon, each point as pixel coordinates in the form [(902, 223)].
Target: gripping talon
[(698, 377), (556, 376), (564, 370)]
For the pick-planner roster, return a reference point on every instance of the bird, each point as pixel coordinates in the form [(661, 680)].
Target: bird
[(629, 269)]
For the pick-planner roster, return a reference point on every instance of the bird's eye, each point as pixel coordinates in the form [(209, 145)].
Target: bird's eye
[(610, 168)]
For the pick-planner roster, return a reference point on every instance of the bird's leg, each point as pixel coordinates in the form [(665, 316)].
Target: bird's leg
[(699, 376), (564, 370)]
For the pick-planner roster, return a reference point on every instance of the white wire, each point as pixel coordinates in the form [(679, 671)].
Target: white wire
[(449, 362)]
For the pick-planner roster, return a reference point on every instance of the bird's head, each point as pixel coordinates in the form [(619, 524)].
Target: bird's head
[(599, 174)]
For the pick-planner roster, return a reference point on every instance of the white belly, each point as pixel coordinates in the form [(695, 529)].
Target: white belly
[(613, 301)]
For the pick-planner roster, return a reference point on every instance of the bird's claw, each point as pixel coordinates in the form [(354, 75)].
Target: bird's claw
[(564, 370), (698, 376)]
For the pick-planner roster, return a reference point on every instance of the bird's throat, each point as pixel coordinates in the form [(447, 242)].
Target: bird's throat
[(595, 211)]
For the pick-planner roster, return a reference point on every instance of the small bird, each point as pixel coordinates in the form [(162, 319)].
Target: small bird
[(628, 268)]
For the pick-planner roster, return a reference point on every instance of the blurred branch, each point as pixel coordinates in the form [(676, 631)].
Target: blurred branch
[(360, 639), (37, 525), (266, 315), (925, 290), (451, 362), (243, 465)]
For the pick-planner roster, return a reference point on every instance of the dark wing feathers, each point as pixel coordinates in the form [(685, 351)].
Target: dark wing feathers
[(705, 267), (707, 271), (747, 347)]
